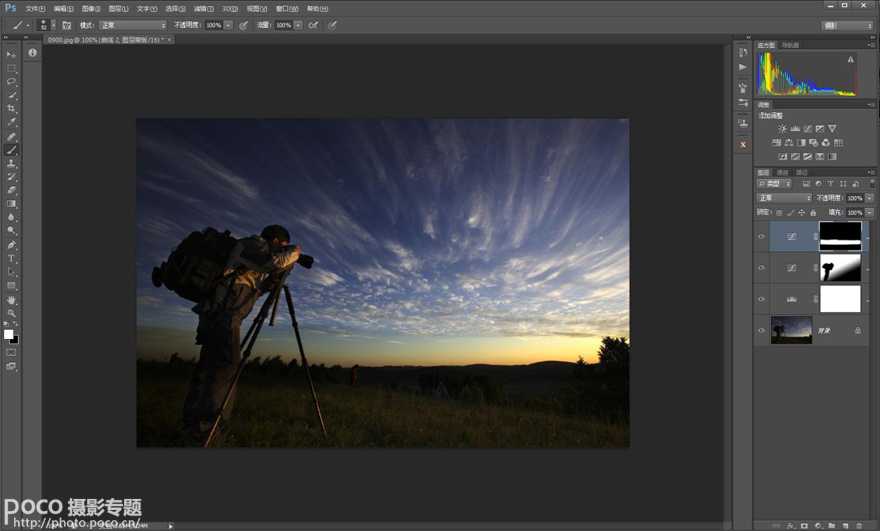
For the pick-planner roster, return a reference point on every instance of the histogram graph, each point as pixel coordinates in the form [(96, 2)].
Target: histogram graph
[(828, 74)]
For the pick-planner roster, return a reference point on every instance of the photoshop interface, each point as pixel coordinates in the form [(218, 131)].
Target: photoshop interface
[(384, 265)]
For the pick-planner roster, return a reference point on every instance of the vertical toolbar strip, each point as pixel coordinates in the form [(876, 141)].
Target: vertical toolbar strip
[(11, 129), (31, 254), (742, 287)]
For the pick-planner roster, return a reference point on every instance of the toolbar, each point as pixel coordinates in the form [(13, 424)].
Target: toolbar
[(471, 8), (79, 22), (11, 130)]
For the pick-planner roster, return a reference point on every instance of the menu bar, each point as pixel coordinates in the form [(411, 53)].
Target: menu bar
[(73, 22)]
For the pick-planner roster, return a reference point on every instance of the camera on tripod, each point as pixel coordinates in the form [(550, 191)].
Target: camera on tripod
[(306, 261)]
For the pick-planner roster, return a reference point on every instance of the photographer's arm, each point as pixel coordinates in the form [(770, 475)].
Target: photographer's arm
[(286, 257)]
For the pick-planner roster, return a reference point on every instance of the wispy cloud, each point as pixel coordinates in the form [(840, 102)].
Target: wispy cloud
[(324, 278), (420, 228), (405, 258), (428, 224), (194, 163)]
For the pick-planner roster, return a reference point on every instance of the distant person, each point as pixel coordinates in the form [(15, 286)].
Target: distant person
[(254, 262), (779, 330), (354, 375)]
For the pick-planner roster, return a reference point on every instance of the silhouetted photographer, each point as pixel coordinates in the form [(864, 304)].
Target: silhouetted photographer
[(225, 295)]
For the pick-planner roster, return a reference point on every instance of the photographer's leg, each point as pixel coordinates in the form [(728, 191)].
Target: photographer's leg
[(240, 302), (197, 406)]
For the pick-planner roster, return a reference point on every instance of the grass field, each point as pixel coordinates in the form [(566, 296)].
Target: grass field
[(272, 413), (784, 340)]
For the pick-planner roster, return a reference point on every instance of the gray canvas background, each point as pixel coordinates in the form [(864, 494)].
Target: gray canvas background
[(672, 472)]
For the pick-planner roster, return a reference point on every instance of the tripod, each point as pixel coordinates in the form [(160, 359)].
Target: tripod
[(250, 338)]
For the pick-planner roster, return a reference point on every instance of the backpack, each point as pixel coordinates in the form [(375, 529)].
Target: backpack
[(196, 265)]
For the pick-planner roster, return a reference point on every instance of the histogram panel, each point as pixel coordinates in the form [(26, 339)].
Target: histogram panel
[(807, 74)]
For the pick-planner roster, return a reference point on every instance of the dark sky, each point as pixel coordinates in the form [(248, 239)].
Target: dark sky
[(455, 241), (793, 326)]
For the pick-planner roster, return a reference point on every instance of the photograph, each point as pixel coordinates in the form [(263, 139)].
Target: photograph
[(840, 267), (383, 283), (791, 330)]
